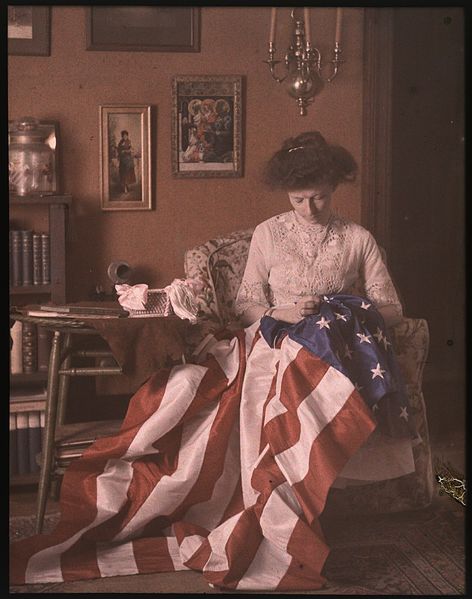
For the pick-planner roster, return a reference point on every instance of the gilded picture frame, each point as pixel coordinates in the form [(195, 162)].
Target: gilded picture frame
[(207, 126), (125, 157), (29, 30)]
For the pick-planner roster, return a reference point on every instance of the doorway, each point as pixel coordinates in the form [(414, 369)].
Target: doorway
[(416, 202)]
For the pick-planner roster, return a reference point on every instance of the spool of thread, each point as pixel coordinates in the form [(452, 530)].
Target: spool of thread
[(119, 272)]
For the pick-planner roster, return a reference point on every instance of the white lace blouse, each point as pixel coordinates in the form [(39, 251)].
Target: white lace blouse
[(288, 260)]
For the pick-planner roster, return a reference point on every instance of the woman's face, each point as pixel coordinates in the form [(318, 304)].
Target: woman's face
[(312, 205)]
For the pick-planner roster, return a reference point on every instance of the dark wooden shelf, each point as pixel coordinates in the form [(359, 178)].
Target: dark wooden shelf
[(40, 199), (30, 289), (32, 478), (29, 377)]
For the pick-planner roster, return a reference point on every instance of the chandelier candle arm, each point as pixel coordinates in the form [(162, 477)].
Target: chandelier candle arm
[(336, 62)]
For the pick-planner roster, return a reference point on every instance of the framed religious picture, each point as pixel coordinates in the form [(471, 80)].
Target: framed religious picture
[(206, 126), (125, 157), (143, 28), (29, 30)]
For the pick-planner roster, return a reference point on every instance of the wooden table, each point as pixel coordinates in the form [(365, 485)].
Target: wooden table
[(125, 337)]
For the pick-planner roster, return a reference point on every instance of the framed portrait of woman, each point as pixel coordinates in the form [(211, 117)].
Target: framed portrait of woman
[(125, 157)]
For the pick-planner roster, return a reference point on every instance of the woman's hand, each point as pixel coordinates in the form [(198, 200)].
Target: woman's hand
[(309, 305)]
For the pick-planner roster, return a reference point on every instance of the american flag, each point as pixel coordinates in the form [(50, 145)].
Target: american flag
[(222, 466)]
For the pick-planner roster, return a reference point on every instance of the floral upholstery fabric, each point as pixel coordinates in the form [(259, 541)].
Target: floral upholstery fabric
[(219, 265)]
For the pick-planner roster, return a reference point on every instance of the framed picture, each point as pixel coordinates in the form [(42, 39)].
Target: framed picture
[(143, 28), (39, 173), (29, 30), (206, 126), (125, 157)]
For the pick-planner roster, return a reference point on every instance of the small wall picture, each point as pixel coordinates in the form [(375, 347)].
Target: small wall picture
[(206, 126), (29, 30), (125, 148)]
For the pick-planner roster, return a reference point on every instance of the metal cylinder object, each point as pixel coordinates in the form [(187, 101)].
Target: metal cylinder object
[(119, 272)]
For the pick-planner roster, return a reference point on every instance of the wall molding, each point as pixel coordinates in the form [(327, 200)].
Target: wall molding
[(377, 123)]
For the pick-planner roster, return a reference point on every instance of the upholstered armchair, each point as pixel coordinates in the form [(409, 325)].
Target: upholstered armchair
[(219, 264)]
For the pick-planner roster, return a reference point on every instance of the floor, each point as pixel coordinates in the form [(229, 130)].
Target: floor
[(23, 503)]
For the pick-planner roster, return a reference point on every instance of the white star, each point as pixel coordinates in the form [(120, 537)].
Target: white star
[(347, 352), (358, 387), (377, 371), (404, 413), (323, 323), (326, 298), (379, 335), (386, 342), (365, 306), (375, 407), (340, 316), (363, 338)]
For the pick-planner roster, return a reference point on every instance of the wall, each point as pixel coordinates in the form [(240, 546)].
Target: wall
[(69, 86)]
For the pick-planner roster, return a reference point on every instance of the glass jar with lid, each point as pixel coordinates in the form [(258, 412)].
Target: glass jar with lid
[(30, 159)]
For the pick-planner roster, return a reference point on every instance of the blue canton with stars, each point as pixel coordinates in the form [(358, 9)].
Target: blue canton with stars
[(350, 335)]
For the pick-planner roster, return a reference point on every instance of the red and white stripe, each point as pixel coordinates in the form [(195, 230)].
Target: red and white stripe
[(221, 466)]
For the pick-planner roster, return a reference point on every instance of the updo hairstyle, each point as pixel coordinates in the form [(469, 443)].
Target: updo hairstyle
[(308, 160)]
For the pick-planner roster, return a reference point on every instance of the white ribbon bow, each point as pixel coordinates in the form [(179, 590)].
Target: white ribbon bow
[(132, 297), (183, 300)]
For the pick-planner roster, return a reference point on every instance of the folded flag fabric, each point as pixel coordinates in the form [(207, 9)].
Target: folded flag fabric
[(350, 334), (222, 466)]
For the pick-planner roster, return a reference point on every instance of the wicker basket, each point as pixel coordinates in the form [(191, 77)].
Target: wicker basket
[(158, 304)]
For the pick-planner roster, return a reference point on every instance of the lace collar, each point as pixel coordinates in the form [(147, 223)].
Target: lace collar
[(315, 228)]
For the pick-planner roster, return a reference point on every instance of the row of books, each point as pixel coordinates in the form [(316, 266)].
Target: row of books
[(27, 411), (30, 258), (30, 348), (26, 433)]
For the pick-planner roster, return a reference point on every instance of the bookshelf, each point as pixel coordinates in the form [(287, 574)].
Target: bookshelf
[(57, 207), (33, 382)]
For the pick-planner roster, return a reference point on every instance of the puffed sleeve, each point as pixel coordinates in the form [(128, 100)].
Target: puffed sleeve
[(252, 298), (378, 284)]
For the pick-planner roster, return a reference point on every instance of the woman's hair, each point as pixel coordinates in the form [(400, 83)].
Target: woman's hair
[(124, 132), (308, 160)]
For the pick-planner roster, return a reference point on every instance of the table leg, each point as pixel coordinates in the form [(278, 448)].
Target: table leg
[(49, 428), (64, 381)]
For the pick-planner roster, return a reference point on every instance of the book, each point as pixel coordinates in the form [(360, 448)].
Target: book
[(29, 347), (22, 450), (25, 398), (12, 446), (81, 316), (27, 256), (16, 259), (37, 260), (71, 308), (28, 392), (44, 348), (45, 259), (34, 440), (16, 352)]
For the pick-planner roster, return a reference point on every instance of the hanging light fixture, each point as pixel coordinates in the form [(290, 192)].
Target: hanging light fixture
[(303, 63)]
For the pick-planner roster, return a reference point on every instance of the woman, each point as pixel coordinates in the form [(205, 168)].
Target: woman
[(126, 162), (298, 256), (224, 466)]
